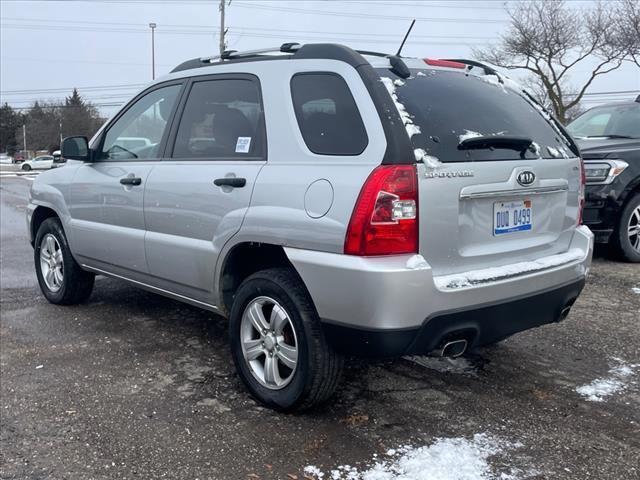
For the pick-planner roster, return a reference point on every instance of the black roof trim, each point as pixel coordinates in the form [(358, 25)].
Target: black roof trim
[(473, 63)]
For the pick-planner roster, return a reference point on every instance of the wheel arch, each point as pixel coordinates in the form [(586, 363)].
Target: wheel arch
[(40, 214), (241, 261)]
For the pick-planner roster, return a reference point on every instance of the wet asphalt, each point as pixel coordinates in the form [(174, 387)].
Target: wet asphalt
[(133, 385)]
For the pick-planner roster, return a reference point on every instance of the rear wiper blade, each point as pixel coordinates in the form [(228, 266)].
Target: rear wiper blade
[(608, 136), (496, 141)]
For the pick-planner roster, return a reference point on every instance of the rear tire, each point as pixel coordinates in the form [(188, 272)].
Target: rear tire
[(626, 237), (278, 299), (61, 279), (26, 168)]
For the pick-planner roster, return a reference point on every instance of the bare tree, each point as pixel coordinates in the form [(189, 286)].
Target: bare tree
[(550, 40), (628, 29)]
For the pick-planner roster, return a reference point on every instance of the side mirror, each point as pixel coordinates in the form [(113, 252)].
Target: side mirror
[(75, 148)]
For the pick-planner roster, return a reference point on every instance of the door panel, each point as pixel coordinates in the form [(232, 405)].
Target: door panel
[(189, 219), (191, 206), (106, 197), (107, 217)]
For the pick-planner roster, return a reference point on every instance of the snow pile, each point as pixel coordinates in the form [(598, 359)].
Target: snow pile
[(417, 262), (473, 277), (429, 160), (446, 459), (314, 472), (617, 380), (468, 134), (404, 115), (635, 289)]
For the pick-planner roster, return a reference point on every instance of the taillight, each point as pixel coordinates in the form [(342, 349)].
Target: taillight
[(385, 218), (583, 182)]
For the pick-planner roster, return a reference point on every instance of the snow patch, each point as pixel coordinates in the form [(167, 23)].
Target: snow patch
[(402, 110), (474, 277), (429, 160), (535, 148), (468, 134), (314, 471), (445, 459), (417, 262), (617, 381), (635, 290)]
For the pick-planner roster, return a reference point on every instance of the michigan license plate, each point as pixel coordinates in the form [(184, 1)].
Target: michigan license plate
[(510, 217)]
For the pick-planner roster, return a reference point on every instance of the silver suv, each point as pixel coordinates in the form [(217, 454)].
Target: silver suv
[(328, 202)]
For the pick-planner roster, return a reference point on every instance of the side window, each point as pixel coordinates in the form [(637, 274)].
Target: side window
[(327, 114), (222, 119), (137, 133)]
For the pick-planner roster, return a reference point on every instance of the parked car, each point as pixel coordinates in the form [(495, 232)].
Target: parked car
[(43, 162), (20, 156), (5, 158), (609, 138), (345, 203), (58, 159)]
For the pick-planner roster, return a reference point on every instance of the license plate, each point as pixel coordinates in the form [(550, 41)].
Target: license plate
[(510, 217)]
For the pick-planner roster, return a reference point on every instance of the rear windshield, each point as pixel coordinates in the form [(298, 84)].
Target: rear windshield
[(448, 107)]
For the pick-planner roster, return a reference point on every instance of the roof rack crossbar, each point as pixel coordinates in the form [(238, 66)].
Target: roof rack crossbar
[(291, 47)]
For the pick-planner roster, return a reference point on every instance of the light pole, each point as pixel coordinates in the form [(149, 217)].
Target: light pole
[(153, 50)]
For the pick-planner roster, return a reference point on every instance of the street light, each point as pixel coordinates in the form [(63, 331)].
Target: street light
[(152, 26)]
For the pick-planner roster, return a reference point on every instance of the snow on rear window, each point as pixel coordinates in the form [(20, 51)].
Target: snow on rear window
[(440, 108)]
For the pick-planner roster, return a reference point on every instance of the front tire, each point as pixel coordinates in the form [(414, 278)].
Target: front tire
[(278, 345), (61, 279), (626, 238)]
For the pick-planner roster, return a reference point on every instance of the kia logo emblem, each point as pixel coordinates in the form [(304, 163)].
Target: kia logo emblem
[(526, 178)]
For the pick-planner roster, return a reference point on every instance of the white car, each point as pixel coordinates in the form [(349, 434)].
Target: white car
[(44, 162), (4, 158)]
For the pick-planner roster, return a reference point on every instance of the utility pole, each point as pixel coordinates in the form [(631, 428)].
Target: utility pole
[(60, 133), (24, 138), (222, 30), (153, 50)]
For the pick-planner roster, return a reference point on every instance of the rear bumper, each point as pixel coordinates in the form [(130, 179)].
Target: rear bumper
[(480, 325), (380, 297)]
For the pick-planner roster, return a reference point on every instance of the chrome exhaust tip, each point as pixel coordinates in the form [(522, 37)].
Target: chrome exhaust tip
[(564, 313), (452, 349)]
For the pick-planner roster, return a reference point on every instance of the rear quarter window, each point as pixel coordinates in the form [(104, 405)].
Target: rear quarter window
[(327, 114), (448, 107)]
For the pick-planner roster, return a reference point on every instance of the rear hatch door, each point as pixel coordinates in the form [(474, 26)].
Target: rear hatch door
[(494, 201)]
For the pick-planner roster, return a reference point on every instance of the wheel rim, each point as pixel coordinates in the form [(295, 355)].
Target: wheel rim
[(633, 229), (269, 343), (51, 264)]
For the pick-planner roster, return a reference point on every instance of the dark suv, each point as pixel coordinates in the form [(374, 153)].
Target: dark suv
[(609, 139)]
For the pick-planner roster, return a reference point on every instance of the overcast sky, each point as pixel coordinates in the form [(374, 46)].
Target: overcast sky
[(104, 47)]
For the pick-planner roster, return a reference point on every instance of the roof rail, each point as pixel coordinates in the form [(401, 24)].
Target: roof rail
[(397, 64), (290, 47)]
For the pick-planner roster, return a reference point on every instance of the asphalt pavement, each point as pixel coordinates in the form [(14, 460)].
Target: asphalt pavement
[(134, 385)]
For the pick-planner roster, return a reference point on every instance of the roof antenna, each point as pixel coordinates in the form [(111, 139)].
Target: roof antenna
[(405, 37)]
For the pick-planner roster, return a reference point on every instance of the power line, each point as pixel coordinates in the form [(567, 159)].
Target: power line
[(367, 15), (211, 30), (69, 89)]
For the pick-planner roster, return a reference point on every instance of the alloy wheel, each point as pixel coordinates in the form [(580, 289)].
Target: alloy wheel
[(269, 342), (51, 263), (633, 229)]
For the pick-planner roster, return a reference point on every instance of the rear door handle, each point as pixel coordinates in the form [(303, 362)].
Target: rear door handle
[(131, 181), (234, 182)]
